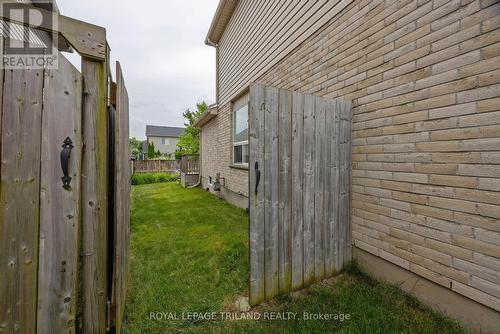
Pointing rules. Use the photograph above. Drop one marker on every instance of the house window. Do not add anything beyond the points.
(240, 136)
(165, 141)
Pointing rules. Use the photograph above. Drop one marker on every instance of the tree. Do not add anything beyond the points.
(151, 151)
(135, 147)
(189, 141)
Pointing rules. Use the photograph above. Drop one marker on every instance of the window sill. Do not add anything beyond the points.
(242, 167)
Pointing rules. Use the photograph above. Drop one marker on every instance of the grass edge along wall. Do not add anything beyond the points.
(424, 80)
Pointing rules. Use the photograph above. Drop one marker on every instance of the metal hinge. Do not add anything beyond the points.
(108, 315)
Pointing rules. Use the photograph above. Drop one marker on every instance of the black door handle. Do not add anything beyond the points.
(65, 155)
(257, 181)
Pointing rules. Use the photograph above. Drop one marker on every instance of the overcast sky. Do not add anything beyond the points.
(160, 45)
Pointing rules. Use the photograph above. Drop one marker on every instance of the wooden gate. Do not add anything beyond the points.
(300, 164)
(39, 214)
(64, 191)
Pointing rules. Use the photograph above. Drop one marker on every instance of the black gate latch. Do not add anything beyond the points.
(65, 155)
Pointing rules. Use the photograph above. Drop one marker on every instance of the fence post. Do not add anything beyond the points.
(94, 197)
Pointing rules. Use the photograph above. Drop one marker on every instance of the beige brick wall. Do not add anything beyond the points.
(424, 78)
(216, 152)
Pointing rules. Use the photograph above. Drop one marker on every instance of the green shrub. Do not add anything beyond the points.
(148, 178)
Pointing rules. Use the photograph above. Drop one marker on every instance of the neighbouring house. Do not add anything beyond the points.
(144, 150)
(164, 138)
(424, 80)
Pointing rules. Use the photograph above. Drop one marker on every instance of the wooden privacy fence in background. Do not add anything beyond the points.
(300, 172)
(190, 164)
(156, 166)
(64, 195)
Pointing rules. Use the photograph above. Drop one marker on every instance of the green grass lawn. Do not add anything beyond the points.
(190, 254)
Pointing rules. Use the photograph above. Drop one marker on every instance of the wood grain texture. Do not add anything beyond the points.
(336, 191)
(271, 185)
(309, 191)
(3, 226)
(19, 199)
(345, 189)
(285, 190)
(60, 209)
(305, 143)
(2, 75)
(122, 202)
(94, 197)
(329, 177)
(343, 184)
(319, 187)
(257, 228)
(297, 216)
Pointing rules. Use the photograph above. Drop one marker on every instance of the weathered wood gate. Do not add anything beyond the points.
(300, 166)
(64, 229)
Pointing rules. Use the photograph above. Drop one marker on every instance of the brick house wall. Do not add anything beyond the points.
(424, 79)
(216, 154)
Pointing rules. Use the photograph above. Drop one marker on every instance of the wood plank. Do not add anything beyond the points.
(271, 184)
(112, 94)
(3, 228)
(329, 183)
(285, 191)
(306, 146)
(343, 186)
(346, 117)
(349, 192)
(257, 228)
(19, 199)
(297, 186)
(2, 75)
(60, 210)
(87, 39)
(122, 201)
(309, 189)
(94, 197)
(319, 188)
(336, 192)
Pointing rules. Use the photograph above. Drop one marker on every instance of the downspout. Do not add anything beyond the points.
(199, 180)
(215, 45)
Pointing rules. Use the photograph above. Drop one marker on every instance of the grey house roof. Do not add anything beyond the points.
(163, 131)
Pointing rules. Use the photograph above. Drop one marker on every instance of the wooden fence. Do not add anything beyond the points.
(156, 166)
(190, 164)
(300, 165)
(64, 195)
